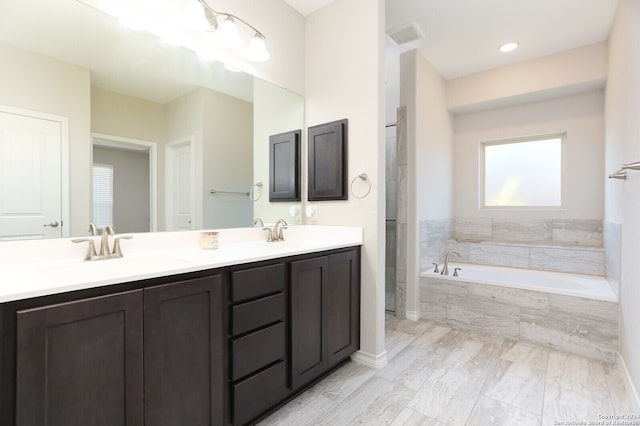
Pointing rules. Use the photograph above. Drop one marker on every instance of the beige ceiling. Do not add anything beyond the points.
(462, 36)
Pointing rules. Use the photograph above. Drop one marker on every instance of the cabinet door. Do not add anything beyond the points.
(80, 363)
(308, 334)
(183, 353)
(342, 310)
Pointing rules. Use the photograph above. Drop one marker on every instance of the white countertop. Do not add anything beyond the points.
(44, 267)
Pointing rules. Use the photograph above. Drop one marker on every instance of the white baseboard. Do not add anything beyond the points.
(372, 361)
(412, 315)
(628, 383)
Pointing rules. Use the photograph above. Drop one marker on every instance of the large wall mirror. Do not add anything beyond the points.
(178, 139)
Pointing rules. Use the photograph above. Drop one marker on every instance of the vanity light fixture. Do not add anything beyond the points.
(200, 16)
(508, 47)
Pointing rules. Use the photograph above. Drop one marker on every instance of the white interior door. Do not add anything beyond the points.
(179, 183)
(30, 176)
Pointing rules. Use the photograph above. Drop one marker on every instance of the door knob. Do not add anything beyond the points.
(53, 224)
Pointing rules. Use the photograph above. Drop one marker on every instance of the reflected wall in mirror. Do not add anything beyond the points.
(64, 58)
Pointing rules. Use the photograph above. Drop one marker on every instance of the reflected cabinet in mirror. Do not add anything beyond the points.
(102, 123)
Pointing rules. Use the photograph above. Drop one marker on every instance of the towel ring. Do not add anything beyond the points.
(252, 191)
(363, 177)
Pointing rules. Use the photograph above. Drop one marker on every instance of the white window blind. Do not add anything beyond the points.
(102, 195)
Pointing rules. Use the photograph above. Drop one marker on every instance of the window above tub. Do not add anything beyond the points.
(526, 172)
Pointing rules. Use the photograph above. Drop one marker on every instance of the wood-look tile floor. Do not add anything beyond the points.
(437, 375)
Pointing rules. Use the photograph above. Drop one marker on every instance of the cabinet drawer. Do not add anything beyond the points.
(258, 393)
(256, 282)
(247, 316)
(257, 350)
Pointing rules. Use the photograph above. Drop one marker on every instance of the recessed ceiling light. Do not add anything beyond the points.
(508, 47)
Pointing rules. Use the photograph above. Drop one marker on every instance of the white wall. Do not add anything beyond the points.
(116, 114)
(227, 159)
(430, 163)
(275, 111)
(345, 79)
(581, 116)
(623, 146)
(569, 72)
(40, 83)
(284, 29)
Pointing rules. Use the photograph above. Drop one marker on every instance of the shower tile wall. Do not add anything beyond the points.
(401, 213)
(612, 237)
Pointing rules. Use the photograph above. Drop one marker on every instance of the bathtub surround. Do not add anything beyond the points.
(558, 232)
(577, 325)
(580, 260)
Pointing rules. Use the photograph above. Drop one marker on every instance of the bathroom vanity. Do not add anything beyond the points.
(180, 336)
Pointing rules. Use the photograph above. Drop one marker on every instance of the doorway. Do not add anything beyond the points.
(124, 190)
(179, 182)
(34, 179)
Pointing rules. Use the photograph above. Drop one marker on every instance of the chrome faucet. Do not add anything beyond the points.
(257, 222)
(277, 230)
(445, 268)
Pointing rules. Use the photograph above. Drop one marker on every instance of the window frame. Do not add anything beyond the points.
(508, 141)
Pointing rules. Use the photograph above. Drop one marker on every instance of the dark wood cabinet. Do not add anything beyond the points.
(258, 343)
(325, 314)
(80, 363)
(184, 371)
(92, 362)
(222, 346)
(342, 310)
(308, 327)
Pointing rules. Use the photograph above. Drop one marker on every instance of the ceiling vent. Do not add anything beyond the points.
(406, 33)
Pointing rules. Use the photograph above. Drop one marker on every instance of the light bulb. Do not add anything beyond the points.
(229, 36)
(257, 50)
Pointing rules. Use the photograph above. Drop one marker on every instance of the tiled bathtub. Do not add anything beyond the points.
(568, 312)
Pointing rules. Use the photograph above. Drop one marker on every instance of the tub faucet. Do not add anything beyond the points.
(258, 222)
(445, 268)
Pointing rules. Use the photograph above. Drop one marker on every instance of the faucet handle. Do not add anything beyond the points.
(117, 252)
(455, 271)
(91, 253)
(435, 269)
